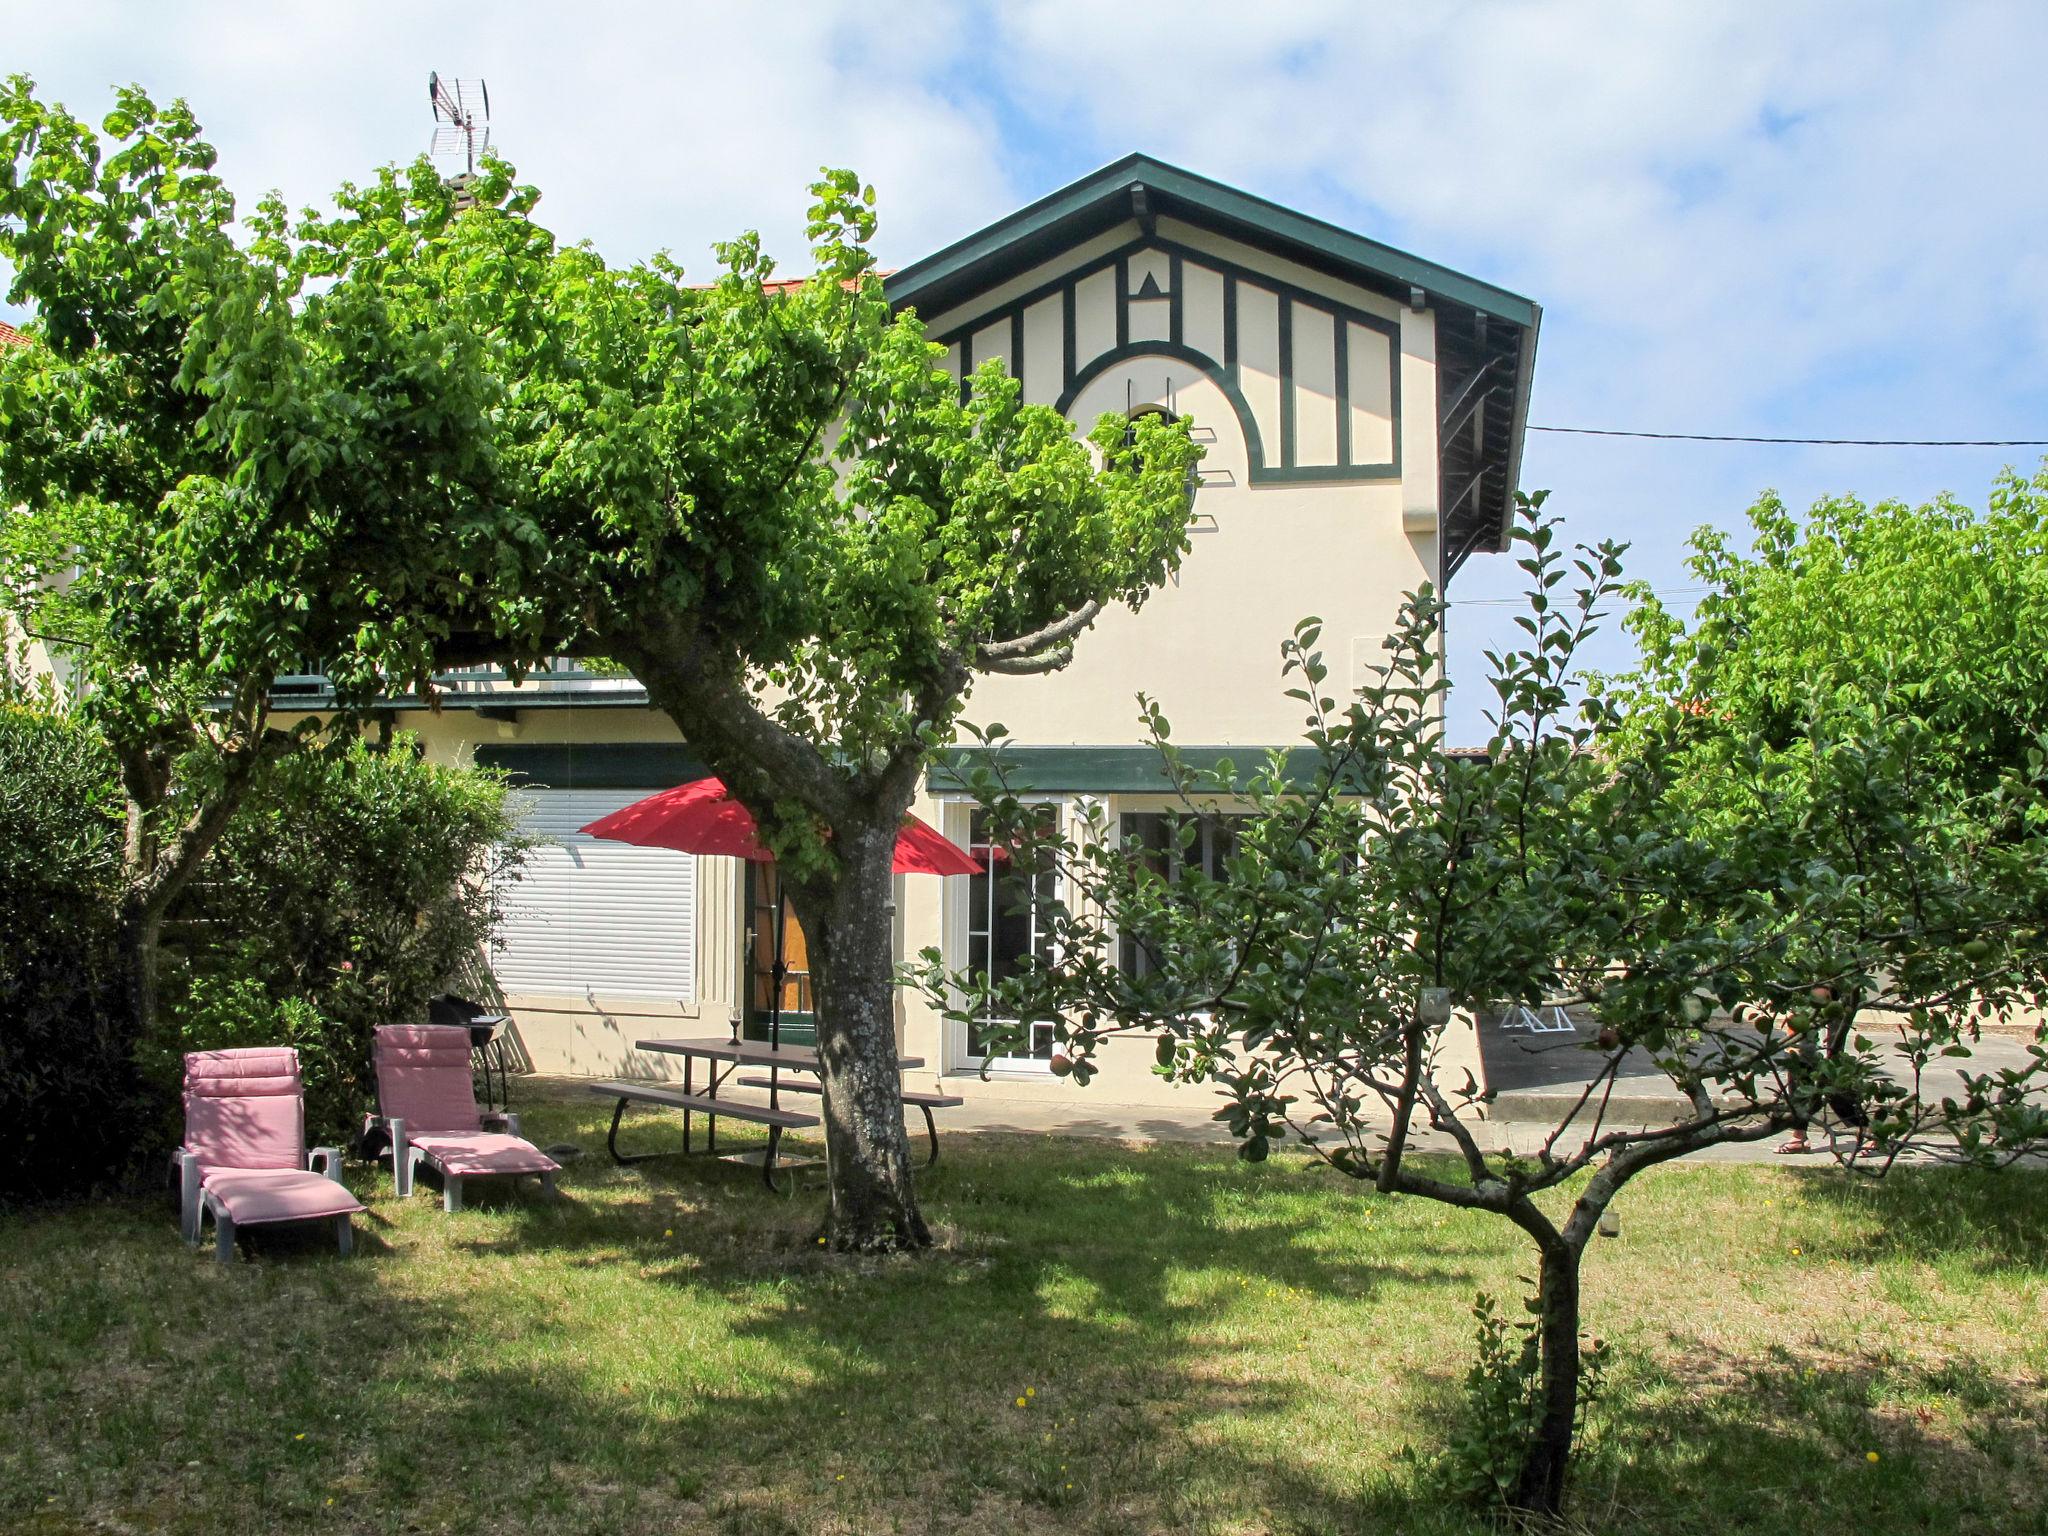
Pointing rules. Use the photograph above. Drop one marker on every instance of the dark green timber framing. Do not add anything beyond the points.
(1485, 335)
(1077, 374)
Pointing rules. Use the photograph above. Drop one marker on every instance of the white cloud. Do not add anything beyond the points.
(647, 125)
(1794, 218)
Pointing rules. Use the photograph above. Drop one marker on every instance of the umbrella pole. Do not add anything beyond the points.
(779, 970)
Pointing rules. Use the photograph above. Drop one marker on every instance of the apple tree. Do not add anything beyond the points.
(1375, 883)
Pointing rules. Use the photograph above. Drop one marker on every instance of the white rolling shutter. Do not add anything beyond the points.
(590, 916)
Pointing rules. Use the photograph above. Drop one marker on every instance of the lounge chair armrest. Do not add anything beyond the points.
(325, 1161)
(501, 1117)
(188, 1195)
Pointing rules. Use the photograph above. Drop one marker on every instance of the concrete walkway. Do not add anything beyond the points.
(1536, 1079)
(1141, 1124)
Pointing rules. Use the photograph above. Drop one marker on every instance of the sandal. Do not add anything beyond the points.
(1792, 1146)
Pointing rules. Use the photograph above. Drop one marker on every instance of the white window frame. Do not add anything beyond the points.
(959, 1044)
(1159, 805)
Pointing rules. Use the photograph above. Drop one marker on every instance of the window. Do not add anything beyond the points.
(1157, 833)
(590, 916)
(1007, 929)
(1138, 415)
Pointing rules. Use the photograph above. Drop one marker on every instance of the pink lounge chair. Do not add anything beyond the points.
(427, 1103)
(244, 1161)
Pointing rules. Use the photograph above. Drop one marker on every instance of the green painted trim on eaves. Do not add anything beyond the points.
(1266, 223)
(486, 703)
(594, 764)
(1117, 770)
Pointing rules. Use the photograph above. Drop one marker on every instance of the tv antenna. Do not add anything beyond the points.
(462, 118)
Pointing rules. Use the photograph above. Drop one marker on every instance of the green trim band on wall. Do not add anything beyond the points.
(1119, 770)
(595, 765)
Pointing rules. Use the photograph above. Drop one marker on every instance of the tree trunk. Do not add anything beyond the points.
(849, 924)
(142, 925)
(1539, 1487)
(845, 908)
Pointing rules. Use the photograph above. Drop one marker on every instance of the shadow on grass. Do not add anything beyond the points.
(667, 1349)
(1988, 1222)
(1093, 1283)
(1802, 1440)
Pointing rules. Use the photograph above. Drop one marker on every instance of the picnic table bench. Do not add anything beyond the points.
(723, 1057)
(706, 1104)
(924, 1101)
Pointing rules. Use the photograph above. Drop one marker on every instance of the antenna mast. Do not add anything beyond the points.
(462, 120)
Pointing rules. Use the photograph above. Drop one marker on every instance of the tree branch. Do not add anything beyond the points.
(173, 865)
(1032, 666)
(1445, 1118)
(757, 758)
(1024, 647)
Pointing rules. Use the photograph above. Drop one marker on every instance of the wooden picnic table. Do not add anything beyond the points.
(724, 1056)
(750, 1053)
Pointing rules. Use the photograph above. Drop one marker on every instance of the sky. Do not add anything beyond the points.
(1779, 219)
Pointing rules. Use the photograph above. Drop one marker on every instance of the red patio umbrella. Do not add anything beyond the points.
(700, 817)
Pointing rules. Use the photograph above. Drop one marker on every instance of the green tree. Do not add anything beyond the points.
(769, 502)
(1376, 883)
(1935, 608)
(1934, 613)
(350, 887)
(201, 453)
(68, 1091)
(416, 432)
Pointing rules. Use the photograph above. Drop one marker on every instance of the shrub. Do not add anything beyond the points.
(351, 887)
(1502, 1409)
(67, 1078)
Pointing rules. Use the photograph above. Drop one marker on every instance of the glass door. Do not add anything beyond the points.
(799, 1022)
(1008, 912)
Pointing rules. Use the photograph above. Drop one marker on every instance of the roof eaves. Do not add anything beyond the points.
(1267, 221)
(1518, 427)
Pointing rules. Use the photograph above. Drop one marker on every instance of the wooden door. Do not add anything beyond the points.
(799, 1022)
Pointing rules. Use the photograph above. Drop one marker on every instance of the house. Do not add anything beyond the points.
(1362, 411)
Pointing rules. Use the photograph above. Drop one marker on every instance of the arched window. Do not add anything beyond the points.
(1137, 414)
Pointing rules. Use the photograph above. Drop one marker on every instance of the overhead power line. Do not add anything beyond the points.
(1520, 602)
(1809, 442)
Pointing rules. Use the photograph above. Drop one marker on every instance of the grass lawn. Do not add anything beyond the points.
(1198, 1345)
